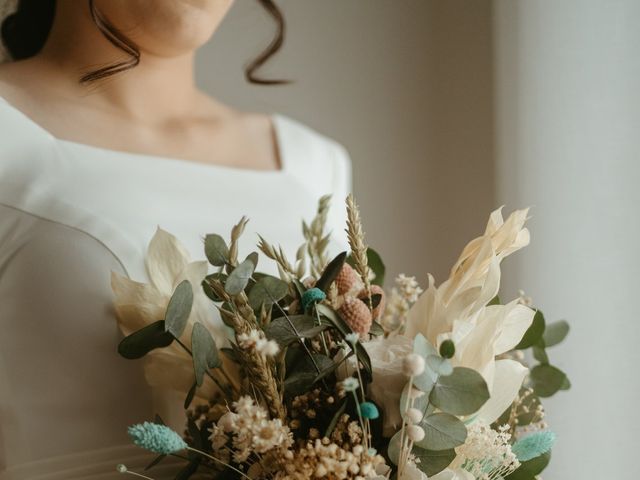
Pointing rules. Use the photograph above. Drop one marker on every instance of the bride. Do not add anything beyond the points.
(104, 140)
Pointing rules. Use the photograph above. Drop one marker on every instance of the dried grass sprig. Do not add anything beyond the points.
(259, 368)
(236, 233)
(355, 235)
(317, 239)
(277, 255)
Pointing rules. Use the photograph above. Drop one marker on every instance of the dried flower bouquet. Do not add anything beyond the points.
(327, 376)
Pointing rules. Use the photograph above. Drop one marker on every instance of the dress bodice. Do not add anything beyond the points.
(69, 215)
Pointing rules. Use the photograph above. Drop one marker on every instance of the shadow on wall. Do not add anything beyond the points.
(406, 87)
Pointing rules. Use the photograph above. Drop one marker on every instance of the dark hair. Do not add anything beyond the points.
(25, 32)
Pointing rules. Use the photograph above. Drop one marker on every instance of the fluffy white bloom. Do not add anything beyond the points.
(352, 338)
(413, 365)
(249, 340)
(486, 453)
(255, 340)
(458, 310)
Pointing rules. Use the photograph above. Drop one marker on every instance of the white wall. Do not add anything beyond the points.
(406, 86)
(568, 117)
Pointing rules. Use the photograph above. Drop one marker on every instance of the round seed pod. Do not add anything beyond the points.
(346, 279)
(356, 314)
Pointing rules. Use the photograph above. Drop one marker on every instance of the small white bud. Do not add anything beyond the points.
(414, 415)
(413, 365)
(121, 468)
(415, 433)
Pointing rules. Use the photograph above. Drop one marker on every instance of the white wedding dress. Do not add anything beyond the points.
(70, 214)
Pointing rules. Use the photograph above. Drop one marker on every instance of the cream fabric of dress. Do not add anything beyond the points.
(70, 214)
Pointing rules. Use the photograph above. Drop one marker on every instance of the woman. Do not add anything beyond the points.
(104, 138)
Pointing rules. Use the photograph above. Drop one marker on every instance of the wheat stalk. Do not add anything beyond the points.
(355, 235)
(317, 240)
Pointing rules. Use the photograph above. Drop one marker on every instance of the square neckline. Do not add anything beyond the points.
(276, 134)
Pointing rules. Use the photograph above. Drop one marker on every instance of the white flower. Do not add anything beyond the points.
(267, 348)
(249, 340)
(139, 304)
(387, 356)
(458, 310)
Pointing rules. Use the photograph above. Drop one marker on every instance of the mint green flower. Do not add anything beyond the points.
(533, 445)
(156, 438)
(369, 410)
(313, 295)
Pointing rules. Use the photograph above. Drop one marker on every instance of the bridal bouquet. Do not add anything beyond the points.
(318, 373)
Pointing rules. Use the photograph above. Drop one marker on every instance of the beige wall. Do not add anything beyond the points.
(406, 86)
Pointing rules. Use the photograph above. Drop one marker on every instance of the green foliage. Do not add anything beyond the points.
(546, 380)
(267, 291)
(207, 287)
(179, 309)
(141, 342)
(330, 272)
(216, 250)
(529, 469)
(287, 331)
(239, 277)
(433, 462)
(461, 393)
(204, 352)
(442, 431)
(534, 333)
(300, 379)
(555, 333)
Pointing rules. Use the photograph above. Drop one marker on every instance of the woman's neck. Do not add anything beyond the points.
(158, 87)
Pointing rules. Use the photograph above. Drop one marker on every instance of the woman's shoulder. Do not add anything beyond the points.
(311, 151)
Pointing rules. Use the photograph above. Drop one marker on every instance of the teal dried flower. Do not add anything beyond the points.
(156, 438)
(369, 410)
(313, 295)
(533, 445)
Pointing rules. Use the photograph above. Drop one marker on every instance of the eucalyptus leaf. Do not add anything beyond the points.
(440, 365)
(215, 249)
(393, 449)
(566, 385)
(546, 380)
(267, 291)
(253, 258)
(555, 333)
(461, 393)
(442, 432)
(427, 379)
(433, 462)
(421, 403)
(281, 329)
(142, 341)
(530, 469)
(239, 277)
(204, 351)
(179, 309)
(330, 272)
(302, 377)
(534, 333)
